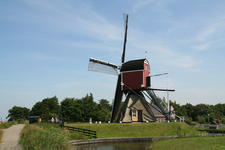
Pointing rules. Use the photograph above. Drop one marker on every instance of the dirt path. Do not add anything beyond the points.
(11, 137)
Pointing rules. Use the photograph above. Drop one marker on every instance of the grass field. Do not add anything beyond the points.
(137, 129)
(197, 143)
(52, 136)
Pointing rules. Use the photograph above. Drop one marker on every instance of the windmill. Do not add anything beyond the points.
(133, 81)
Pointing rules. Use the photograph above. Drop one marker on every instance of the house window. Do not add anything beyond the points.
(134, 113)
(161, 120)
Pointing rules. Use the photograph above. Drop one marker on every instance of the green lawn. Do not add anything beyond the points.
(136, 129)
(196, 143)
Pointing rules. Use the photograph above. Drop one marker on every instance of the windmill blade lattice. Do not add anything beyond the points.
(102, 66)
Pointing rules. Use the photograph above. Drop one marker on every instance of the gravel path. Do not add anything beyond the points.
(11, 137)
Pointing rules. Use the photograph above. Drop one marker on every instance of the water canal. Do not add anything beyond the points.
(126, 145)
(134, 145)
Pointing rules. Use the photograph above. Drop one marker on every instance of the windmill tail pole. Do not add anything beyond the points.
(159, 74)
(156, 101)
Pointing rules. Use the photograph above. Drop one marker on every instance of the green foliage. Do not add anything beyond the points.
(194, 112)
(81, 110)
(223, 120)
(211, 117)
(18, 113)
(46, 136)
(201, 119)
(190, 111)
(218, 110)
(188, 120)
(6, 125)
(46, 109)
(179, 131)
(179, 110)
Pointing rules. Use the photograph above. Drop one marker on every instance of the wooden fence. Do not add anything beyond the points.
(85, 132)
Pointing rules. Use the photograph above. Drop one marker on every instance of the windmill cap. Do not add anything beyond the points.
(134, 65)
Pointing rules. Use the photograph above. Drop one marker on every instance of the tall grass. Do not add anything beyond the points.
(46, 136)
(6, 125)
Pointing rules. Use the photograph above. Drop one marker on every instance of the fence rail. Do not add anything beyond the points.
(83, 131)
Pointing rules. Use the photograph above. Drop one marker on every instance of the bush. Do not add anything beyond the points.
(201, 119)
(6, 125)
(223, 120)
(188, 120)
(179, 131)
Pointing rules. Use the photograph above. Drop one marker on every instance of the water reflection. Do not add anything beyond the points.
(116, 146)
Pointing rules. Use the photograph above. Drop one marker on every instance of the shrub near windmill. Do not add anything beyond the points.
(133, 82)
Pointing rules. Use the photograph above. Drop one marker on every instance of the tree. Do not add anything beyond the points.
(201, 119)
(223, 120)
(188, 120)
(190, 110)
(18, 113)
(180, 110)
(67, 109)
(47, 108)
(219, 110)
(80, 110)
(104, 104)
(104, 110)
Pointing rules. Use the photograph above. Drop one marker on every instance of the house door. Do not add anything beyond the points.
(134, 115)
(140, 118)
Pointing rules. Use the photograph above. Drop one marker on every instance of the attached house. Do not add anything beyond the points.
(136, 109)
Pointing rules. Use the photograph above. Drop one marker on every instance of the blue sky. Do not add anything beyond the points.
(45, 46)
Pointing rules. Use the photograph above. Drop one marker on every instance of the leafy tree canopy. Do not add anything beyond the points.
(47, 108)
(18, 113)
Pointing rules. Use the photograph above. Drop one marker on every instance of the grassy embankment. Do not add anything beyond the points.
(137, 129)
(4, 126)
(200, 143)
(51, 136)
(46, 136)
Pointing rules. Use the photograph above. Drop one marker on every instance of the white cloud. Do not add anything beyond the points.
(202, 47)
(141, 3)
(79, 18)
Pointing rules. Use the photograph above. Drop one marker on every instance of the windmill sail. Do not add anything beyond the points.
(125, 36)
(119, 92)
(117, 100)
(102, 66)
